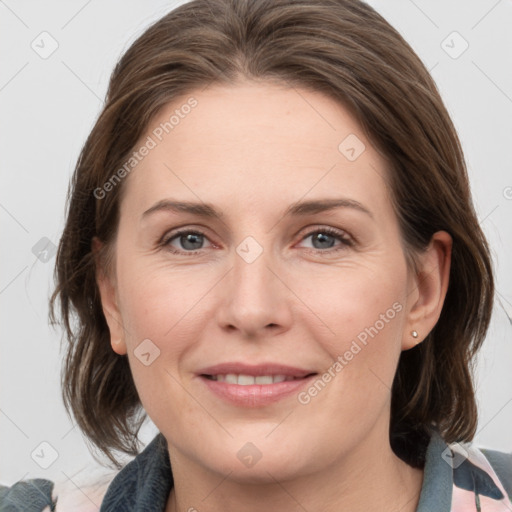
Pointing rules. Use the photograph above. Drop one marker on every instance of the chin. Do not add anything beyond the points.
(260, 460)
(263, 472)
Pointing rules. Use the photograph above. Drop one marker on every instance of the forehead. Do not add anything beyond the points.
(263, 141)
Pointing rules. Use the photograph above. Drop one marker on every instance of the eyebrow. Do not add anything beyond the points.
(297, 209)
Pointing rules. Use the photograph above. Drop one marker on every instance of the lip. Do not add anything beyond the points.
(255, 370)
(255, 395)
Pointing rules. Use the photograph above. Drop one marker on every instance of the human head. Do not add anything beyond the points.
(345, 51)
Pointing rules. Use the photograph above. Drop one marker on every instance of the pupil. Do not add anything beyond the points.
(191, 238)
(322, 237)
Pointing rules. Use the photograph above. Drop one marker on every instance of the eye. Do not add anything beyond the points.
(324, 239)
(191, 242)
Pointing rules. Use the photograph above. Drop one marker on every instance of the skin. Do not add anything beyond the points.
(252, 150)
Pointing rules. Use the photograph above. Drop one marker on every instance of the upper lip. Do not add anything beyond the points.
(255, 370)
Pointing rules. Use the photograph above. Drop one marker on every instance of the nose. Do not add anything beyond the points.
(255, 298)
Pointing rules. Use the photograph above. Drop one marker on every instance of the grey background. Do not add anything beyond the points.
(48, 106)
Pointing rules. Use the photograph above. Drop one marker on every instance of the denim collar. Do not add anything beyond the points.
(144, 483)
(436, 491)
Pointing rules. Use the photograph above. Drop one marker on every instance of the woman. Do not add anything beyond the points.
(271, 250)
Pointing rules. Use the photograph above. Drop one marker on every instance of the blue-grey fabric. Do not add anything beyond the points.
(27, 496)
(502, 464)
(436, 492)
(144, 483)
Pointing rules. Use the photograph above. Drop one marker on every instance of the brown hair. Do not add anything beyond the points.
(342, 48)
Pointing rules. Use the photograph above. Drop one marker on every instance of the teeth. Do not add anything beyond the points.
(247, 380)
(267, 379)
(230, 378)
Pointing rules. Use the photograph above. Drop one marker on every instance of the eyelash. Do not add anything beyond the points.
(338, 234)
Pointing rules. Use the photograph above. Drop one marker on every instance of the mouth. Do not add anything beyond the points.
(249, 385)
(260, 387)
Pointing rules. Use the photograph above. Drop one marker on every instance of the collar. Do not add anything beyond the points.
(436, 491)
(144, 483)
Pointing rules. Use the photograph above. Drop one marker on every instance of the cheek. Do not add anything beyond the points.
(162, 327)
(365, 310)
(357, 303)
(158, 301)
(366, 314)
(163, 314)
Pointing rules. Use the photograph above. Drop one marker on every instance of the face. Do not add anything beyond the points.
(323, 290)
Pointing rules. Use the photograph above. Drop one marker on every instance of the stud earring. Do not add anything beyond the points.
(414, 334)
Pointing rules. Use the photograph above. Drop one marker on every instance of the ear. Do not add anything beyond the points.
(109, 301)
(427, 289)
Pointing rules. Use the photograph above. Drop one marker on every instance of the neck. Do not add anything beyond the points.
(370, 477)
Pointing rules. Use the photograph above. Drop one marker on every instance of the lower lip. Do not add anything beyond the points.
(255, 395)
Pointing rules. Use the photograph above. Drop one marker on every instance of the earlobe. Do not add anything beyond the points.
(429, 289)
(118, 346)
(109, 301)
